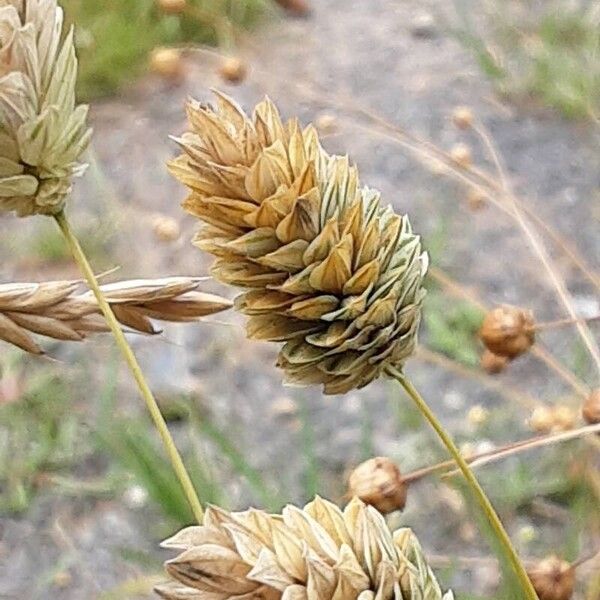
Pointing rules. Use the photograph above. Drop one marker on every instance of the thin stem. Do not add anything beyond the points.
(476, 488)
(130, 359)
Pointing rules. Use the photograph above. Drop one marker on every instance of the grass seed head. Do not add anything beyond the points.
(42, 132)
(165, 229)
(378, 482)
(327, 270)
(233, 69)
(319, 551)
(553, 579)
(591, 408)
(461, 154)
(462, 117)
(508, 331)
(476, 200)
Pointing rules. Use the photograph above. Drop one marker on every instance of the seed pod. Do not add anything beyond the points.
(553, 579)
(166, 229)
(297, 8)
(478, 415)
(461, 155)
(542, 419)
(233, 69)
(462, 117)
(564, 418)
(167, 63)
(591, 408)
(378, 482)
(492, 363)
(475, 199)
(172, 7)
(508, 331)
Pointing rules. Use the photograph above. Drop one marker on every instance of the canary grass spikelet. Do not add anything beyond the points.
(319, 552)
(42, 131)
(328, 271)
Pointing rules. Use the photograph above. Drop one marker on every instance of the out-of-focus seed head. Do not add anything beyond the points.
(478, 415)
(462, 117)
(233, 69)
(378, 482)
(565, 418)
(476, 200)
(542, 419)
(326, 123)
(508, 331)
(553, 579)
(492, 363)
(165, 228)
(461, 154)
(172, 7)
(297, 8)
(43, 133)
(168, 64)
(591, 408)
(327, 270)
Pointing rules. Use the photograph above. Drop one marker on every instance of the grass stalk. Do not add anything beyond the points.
(132, 363)
(476, 489)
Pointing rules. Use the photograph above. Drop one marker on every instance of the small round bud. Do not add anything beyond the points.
(492, 363)
(591, 408)
(553, 579)
(475, 199)
(166, 229)
(172, 7)
(378, 482)
(461, 155)
(167, 63)
(233, 69)
(477, 415)
(564, 418)
(462, 117)
(508, 331)
(542, 419)
(298, 8)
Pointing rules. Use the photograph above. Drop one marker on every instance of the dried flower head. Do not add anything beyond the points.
(319, 553)
(233, 69)
(550, 419)
(42, 132)
(553, 579)
(461, 154)
(508, 331)
(591, 408)
(165, 228)
(54, 309)
(167, 63)
(462, 117)
(328, 270)
(378, 482)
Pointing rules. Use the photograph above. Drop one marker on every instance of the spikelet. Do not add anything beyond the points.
(54, 309)
(42, 132)
(329, 272)
(317, 553)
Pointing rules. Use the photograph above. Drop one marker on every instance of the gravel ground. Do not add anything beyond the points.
(391, 59)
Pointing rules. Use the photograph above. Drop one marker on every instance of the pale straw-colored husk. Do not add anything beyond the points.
(316, 553)
(42, 131)
(328, 270)
(57, 310)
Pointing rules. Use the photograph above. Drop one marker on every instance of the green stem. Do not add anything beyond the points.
(130, 359)
(475, 486)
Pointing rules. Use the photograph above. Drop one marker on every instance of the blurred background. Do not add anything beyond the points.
(85, 492)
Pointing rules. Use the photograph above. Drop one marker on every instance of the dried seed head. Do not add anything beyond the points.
(508, 331)
(328, 270)
(42, 132)
(298, 8)
(461, 155)
(551, 419)
(326, 123)
(492, 363)
(378, 482)
(172, 7)
(168, 63)
(553, 579)
(476, 200)
(317, 552)
(462, 117)
(591, 408)
(233, 69)
(166, 229)
(477, 415)
(54, 309)
(565, 418)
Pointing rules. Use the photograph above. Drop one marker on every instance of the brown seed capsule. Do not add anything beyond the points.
(378, 482)
(591, 408)
(492, 363)
(462, 117)
(298, 8)
(233, 69)
(475, 199)
(165, 229)
(172, 7)
(553, 579)
(167, 63)
(461, 155)
(508, 331)
(542, 419)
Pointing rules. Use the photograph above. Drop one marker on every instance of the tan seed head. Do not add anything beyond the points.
(462, 117)
(233, 69)
(542, 419)
(508, 331)
(167, 63)
(461, 155)
(476, 199)
(591, 408)
(165, 229)
(172, 7)
(565, 418)
(298, 8)
(492, 363)
(553, 579)
(378, 482)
